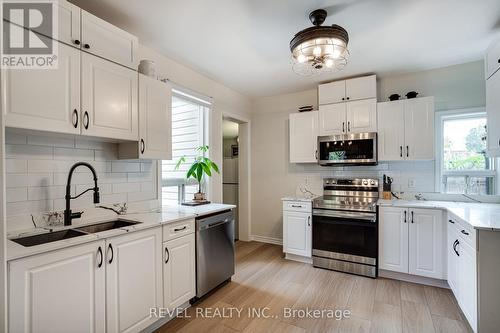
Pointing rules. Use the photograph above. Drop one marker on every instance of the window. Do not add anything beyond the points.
(189, 120)
(464, 166)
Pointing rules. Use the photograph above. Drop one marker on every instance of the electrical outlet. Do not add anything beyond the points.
(411, 183)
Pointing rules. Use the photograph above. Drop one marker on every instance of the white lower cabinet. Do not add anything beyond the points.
(59, 291)
(179, 271)
(411, 241)
(297, 228)
(134, 282)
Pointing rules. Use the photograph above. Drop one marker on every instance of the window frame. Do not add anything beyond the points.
(441, 117)
(181, 183)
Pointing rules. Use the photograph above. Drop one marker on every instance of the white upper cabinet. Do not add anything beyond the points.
(68, 23)
(303, 137)
(426, 243)
(393, 239)
(332, 119)
(406, 129)
(105, 40)
(59, 291)
(361, 88)
(46, 100)
(134, 282)
(391, 131)
(109, 99)
(348, 90)
(493, 114)
(361, 116)
(419, 128)
(492, 59)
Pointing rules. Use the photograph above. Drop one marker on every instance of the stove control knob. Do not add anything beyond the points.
(372, 182)
(365, 182)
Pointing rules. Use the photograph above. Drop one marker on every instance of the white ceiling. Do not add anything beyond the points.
(244, 44)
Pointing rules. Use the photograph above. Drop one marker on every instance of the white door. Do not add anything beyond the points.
(45, 100)
(426, 242)
(393, 239)
(179, 271)
(419, 129)
(362, 116)
(333, 92)
(60, 291)
(361, 88)
(332, 119)
(155, 119)
(297, 233)
(303, 137)
(493, 114)
(109, 99)
(105, 40)
(452, 256)
(391, 130)
(134, 281)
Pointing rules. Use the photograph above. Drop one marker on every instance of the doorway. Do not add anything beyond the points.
(230, 168)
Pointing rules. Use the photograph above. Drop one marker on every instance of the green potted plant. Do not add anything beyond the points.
(200, 167)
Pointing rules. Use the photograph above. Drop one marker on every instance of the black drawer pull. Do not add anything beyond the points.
(86, 120)
(167, 256)
(75, 117)
(296, 206)
(101, 259)
(76, 41)
(180, 229)
(451, 221)
(143, 146)
(110, 248)
(465, 232)
(455, 247)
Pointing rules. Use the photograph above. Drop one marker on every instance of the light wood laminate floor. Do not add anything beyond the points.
(265, 280)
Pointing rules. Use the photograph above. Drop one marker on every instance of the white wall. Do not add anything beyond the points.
(273, 177)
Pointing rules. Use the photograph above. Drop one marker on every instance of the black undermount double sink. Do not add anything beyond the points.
(54, 236)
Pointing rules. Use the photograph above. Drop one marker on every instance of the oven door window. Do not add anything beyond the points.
(347, 150)
(348, 236)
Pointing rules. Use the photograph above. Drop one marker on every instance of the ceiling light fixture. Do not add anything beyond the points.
(319, 49)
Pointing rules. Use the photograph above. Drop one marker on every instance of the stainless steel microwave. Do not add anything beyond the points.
(348, 149)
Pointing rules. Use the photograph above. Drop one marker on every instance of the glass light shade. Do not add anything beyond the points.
(319, 55)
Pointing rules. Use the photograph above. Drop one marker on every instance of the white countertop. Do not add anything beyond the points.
(165, 215)
(301, 198)
(483, 216)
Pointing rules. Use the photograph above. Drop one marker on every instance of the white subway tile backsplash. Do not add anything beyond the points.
(126, 187)
(15, 138)
(125, 167)
(53, 141)
(87, 143)
(47, 192)
(76, 179)
(29, 152)
(16, 166)
(16, 194)
(107, 155)
(24, 180)
(114, 198)
(29, 207)
(73, 154)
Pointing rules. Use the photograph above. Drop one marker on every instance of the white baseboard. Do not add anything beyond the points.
(295, 257)
(413, 278)
(265, 239)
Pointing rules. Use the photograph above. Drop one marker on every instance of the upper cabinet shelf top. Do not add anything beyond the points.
(363, 87)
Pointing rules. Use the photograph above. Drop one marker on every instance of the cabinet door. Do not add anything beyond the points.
(179, 271)
(59, 291)
(332, 119)
(391, 130)
(155, 119)
(297, 233)
(493, 114)
(69, 23)
(303, 137)
(468, 283)
(419, 129)
(453, 274)
(133, 280)
(393, 239)
(426, 242)
(361, 88)
(105, 40)
(333, 92)
(109, 99)
(492, 60)
(45, 100)
(361, 116)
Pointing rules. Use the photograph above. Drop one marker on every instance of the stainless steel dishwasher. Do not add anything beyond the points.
(214, 251)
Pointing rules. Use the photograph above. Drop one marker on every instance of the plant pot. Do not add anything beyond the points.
(199, 196)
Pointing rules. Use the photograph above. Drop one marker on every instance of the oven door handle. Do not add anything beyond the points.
(349, 215)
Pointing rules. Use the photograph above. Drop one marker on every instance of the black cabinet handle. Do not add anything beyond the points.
(400, 151)
(87, 46)
(343, 98)
(110, 248)
(143, 146)
(465, 232)
(296, 206)
(412, 217)
(309, 221)
(451, 221)
(499, 60)
(455, 247)
(343, 127)
(347, 98)
(407, 151)
(86, 120)
(101, 259)
(348, 126)
(499, 142)
(167, 255)
(75, 118)
(180, 229)
(405, 216)
(76, 41)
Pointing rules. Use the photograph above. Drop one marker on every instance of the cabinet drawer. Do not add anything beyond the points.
(463, 230)
(177, 229)
(297, 206)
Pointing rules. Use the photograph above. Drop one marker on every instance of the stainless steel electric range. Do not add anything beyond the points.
(345, 226)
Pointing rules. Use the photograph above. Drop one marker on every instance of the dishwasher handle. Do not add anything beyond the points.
(215, 224)
(214, 220)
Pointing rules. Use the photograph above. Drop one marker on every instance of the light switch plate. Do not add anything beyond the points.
(411, 183)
